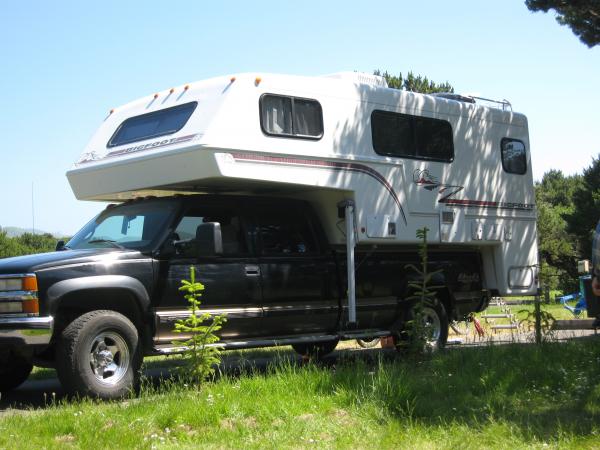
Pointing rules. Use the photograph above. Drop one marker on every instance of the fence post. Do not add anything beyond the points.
(538, 318)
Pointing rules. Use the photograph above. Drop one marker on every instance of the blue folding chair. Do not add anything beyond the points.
(580, 304)
(579, 297)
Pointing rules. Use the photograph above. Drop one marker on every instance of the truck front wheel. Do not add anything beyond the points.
(315, 349)
(99, 355)
(13, 372)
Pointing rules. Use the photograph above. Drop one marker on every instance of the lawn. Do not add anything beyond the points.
(523, 316)
(510, 396)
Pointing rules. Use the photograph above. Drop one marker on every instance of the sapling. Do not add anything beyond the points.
(418, 334)
(200, 355)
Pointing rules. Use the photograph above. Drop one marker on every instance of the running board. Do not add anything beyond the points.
(170, 349)
(364, 334)
(251, 343)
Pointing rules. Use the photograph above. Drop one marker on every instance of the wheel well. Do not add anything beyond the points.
(444, 296)
(74, 304)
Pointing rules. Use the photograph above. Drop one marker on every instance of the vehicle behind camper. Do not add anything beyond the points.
(297, 199)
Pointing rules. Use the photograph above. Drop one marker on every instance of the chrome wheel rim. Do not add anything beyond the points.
(109, 358)
(433, 326)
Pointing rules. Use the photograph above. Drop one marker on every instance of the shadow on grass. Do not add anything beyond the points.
(542, 392)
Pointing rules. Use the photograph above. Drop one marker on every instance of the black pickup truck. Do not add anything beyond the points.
(96, 306)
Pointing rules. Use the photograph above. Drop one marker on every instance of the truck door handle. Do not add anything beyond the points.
(252, 271)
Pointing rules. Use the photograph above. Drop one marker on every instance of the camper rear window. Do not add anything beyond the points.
(407, 136)
(152, 125)
(291, 117)
(514, 159)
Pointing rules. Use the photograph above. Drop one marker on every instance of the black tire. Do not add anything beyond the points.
(435, 317)
(13, 372)
(368, 343)
(99, 355)
(315, 349)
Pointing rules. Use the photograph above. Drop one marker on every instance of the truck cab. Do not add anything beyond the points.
(111, 295)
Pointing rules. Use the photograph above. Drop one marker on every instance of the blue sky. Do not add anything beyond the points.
(65, 64)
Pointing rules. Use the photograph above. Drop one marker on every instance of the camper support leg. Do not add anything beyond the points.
(348, 206)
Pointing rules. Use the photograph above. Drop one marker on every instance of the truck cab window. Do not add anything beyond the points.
(231, 229)
(285, 233)
(133, 226)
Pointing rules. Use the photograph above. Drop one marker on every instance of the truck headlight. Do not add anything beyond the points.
(18, 283)
(19, 295)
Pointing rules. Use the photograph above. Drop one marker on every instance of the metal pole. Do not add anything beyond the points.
(348, 206)
(32, 211)
(538, 318)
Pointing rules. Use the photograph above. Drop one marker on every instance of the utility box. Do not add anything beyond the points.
(592, 302)
(583, 267)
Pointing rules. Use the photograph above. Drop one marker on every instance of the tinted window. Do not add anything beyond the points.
(514, 158)
(392, 134)
(231, 229)
(285, 234)
(291, 116)
(151, 125)
(404, 135)
(134, 226)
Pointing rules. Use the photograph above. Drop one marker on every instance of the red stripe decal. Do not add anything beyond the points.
(349, 167)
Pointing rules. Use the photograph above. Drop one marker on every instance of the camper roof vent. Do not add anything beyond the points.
(359, 78)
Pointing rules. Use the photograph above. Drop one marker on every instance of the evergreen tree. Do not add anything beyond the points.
(414, 83)
(582, 16)
(586, 198)
(557, 247)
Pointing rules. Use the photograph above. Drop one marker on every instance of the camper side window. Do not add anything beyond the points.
(291, 117)
(407, 136)
(514, 159)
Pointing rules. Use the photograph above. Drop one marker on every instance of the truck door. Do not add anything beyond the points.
(297, 277)
(231, 280)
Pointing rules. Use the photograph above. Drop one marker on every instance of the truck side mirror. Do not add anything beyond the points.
(60, 245)
(209, 239)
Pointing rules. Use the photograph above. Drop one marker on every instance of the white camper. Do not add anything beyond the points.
(396, 161)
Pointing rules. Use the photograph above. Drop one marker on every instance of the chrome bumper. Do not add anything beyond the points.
(20, 331)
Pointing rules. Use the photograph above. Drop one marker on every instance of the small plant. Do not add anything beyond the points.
(418, 333)
(542, 321)
(199, 355)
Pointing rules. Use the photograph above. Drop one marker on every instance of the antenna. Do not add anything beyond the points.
(32, 211)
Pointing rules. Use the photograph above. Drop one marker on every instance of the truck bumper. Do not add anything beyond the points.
(22, 331)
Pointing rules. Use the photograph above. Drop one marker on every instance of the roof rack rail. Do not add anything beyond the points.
(503, 104)
(453, 96)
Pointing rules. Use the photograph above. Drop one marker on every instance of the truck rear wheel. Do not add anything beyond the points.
(99, 355)
(315, 349)
(13, 372)
(435, 321)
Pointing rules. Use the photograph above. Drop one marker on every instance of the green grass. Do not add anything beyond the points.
(511, 396)
(558, 311)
